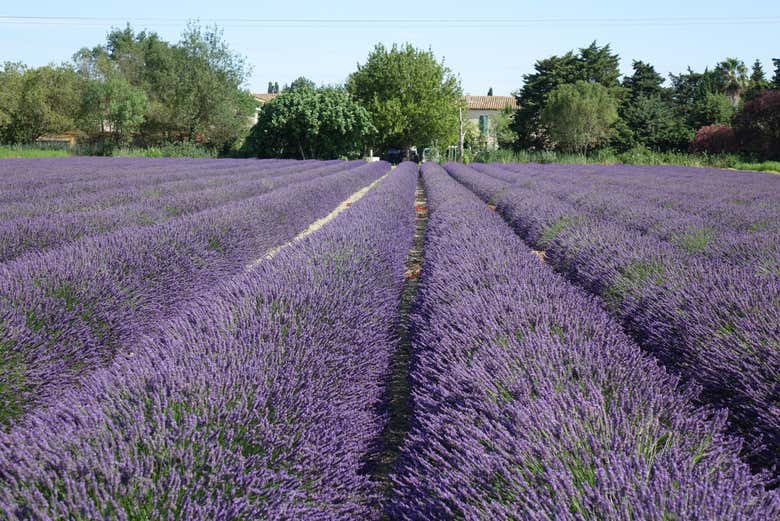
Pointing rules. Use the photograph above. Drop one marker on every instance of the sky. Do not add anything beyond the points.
(490, 44)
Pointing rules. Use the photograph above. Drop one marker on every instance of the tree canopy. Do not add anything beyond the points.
(306, 122)
(413, 99)
(592, 64)
(37, 101)
(577, 117)
(136, 87)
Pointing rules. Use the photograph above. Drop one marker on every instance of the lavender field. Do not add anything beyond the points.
(484, 341)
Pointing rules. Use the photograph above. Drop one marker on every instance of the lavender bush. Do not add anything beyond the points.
(530, 403)
(71, 309)
(25, 234)
(704, 297)
(258, 401)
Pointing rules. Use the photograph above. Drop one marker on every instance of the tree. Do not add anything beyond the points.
(215, 107)
(194, 88)
(732, 79)
(654, 123)
(757, 75)
(713, 108)
(413, 99)
(757, 125)
(505, 136)
(591, 64)
(270, 88)
(300, 83)
(113, 106)
(578, 116)
(758, 81)
(645, 81)
(776, 77)
(700, 99)
(490, 91)
(309, 123)
(36, 101)
(11, 86)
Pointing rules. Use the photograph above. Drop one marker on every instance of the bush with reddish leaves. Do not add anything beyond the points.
(714, 139)
(757, 125)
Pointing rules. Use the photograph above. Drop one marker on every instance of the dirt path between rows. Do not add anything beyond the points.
(397, 400)
(319, 223)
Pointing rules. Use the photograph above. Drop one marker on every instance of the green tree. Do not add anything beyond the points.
(113, 106)
(578, 116)
(11, 83)
(700, 98)
(505, 136)
(36, 101)
(776, 77)
(300, 83)
(714, 108)
(194, 88)
(645, 81)
(591, 64)
(413, 99)
(655, 124)
(758, 81)
(732, 79)
(309, 123)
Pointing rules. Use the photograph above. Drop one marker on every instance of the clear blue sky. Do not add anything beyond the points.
(482, 53)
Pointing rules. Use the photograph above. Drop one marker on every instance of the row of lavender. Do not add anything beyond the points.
(715, 214)
(259, 401)
(71, 309)
(710, 316)
(58, 225)
(50, 178)
(530, 403)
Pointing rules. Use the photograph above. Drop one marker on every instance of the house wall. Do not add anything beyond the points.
(473, 116)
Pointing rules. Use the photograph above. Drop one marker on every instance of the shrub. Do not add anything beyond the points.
(757, 125)
(714, 139)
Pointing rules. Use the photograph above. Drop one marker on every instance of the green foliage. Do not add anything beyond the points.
(31, 151)
(713, 108)
(654, 124)
(694, 241)
(34, 102)
(184, 149)
(635, 156)
(592, 64)
(578, 116)
(732, 79)
(505, 134)
(758, 81)
(193, 88)
(306, 123)
(776, 77)
(644, 82)
(412, 98)
(112, 106)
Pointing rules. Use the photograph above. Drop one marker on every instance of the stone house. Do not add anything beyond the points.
(482, 111)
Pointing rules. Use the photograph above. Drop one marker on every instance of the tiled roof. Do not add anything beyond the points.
(265, 97)
(473, 102)
(490, 102)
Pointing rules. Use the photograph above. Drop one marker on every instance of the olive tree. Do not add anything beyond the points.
(578, 116)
